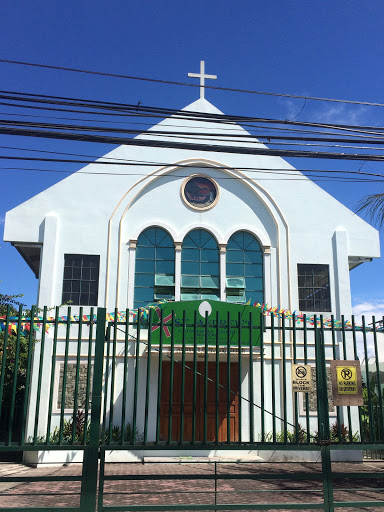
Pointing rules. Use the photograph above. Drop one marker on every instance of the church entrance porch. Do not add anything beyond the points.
(204, 407)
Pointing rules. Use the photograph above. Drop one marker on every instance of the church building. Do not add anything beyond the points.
(208, 224)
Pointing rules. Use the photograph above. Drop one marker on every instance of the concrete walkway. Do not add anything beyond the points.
(152, 485)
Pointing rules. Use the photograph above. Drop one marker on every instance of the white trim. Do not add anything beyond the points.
(154, 224)
(261, 237)
(131, 276)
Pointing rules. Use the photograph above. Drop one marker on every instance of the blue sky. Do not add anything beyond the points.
(315, 48)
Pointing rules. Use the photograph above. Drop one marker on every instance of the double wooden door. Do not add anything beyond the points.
(227, 400)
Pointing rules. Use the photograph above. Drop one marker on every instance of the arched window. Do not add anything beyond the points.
(244, 269)
(200, 269)
(155, 267)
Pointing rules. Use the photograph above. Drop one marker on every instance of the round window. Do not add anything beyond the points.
(200, 192)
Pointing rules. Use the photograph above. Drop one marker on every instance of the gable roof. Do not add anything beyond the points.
(304, 200)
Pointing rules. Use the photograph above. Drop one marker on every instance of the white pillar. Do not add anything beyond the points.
(178, 269)
(267, 274)
(223, 271)
(131, 272)
(49, 294)
(342, 286)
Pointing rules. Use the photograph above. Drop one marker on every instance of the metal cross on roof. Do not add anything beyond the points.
(202, 77)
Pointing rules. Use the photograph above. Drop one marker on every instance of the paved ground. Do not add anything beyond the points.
(189, 482)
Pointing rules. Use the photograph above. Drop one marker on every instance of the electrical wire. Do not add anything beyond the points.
(185, 84)
(285, 178)
(187, 146)
(145, 163)
(177, 114)
(249, 126)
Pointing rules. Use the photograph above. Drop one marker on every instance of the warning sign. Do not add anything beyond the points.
(301, 378)
(346, 383)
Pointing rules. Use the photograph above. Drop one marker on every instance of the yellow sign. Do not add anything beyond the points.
(301, 378)
(346, 380)
(347, 386)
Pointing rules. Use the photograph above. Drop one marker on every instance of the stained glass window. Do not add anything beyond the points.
(200, 268)
(155, 267)
(244, 269)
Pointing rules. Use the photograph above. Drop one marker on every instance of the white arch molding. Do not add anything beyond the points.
(256, 188)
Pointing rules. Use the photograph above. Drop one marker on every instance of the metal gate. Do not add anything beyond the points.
(178, 408)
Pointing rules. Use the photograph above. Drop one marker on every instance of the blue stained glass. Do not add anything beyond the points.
(253, 283)
(209, 255)
(165, 253)
(253, 270)
(210, 243)
(210, 282)
(245, 259)
(147, 237)
(209, 269)
(145, 266)
(199, 257)
(191, 254)
(190, 281)
(235, 269)
(155, 254)
(235, 256)
(253, 257)
(145, 253)
(164, 240)
(236, 241)
(144, 294)
(209, 296)
(146, 280)
(190, 268)
(165, 267)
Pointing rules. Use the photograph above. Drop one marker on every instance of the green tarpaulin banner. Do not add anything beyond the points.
(228, 322)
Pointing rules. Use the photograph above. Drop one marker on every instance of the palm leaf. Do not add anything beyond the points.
(373, 205)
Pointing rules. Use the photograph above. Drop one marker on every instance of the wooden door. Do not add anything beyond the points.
(226, 400)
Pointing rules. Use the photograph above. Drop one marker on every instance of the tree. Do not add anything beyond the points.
(10, 300)
(373, 204)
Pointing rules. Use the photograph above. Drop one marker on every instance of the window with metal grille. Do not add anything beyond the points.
(314, 292)
(81, 279)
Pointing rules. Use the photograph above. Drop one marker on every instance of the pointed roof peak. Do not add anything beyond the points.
(202, 105)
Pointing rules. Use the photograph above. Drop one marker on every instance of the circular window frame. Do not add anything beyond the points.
(192, 206)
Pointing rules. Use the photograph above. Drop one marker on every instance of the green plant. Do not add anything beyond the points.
(297, 435)
(345, 436)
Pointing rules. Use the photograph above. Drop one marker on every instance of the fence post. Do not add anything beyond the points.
(323, 416)
(91, 451)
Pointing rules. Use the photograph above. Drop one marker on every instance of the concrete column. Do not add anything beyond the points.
(50, 285)
(178, 270)
(131, 271)
(223, 271)
(341, 284)
(267, 273)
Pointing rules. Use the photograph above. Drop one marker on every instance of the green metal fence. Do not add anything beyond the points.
(183, 384)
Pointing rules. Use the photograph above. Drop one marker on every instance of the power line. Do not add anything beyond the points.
(192, 136)
(104, 139)
(219, 178)
(130, 115)
(185, 84)
(177, 114)
(147, 163)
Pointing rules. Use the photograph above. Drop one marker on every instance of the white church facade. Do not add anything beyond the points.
(197, 225)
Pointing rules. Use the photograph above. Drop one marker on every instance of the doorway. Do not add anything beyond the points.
(227, 401)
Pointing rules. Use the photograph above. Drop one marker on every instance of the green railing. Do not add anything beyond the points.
(183, 381)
